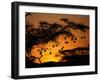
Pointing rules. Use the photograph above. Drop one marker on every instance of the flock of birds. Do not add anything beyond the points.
(42, 50)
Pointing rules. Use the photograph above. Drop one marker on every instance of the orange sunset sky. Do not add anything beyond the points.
(51, 18)
(35, 18)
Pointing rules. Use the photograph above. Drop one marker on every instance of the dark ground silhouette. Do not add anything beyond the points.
(74, 59)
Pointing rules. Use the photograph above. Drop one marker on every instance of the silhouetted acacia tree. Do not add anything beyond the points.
(50, 31)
